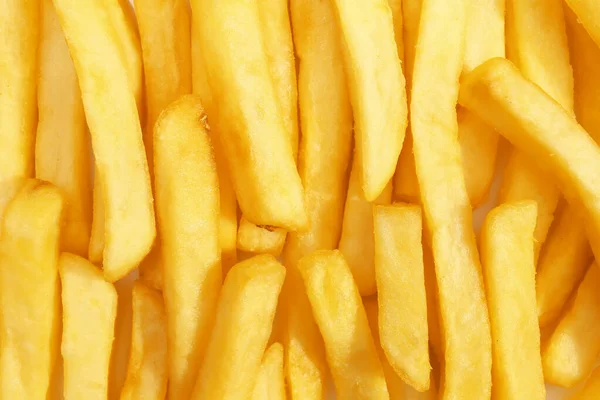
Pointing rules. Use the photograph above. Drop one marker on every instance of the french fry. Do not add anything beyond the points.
(433, 304)
(591, 390)
(463, 313)
(356, 240)
(400, 276)
(588, 13)
(251, 128)
(29, 291)
(121, 346)
(89, 312)
(540, 127)
(396, 7)
(270, 383)
(147, 367)
(341, 317)
(116, 134)
(62, 143)
(8, 190)
(509, 272)
(377, 89)
(571, 351)
(19, 29)
(256, 239)
(244, 318)
(187, 205)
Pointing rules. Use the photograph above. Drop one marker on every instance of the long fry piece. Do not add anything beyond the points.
(588, 13)
(270, 384)
(342, 320)
(116, 134)
(464, 318)
(187, 204)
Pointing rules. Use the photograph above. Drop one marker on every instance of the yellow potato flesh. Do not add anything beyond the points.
(463, 313)
(562, 264)
(341, 317)
(401, 292)
(29, 291)
(19, 29)
(244, 318)
(260, 239)
(252, 131)
(571, 352)
(377, 89)
(187, 206)
(62, 141)
(591, 390)
(588, 13)
(147, 367)
(116, 134)
(509, 272)
(540, 127)
(89, 311)
(270, 383)
(356, 240)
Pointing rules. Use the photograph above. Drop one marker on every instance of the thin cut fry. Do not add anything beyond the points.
(187, 204)
(29, 291)
(571, 352)
(463, 312)
(588, 13)
(116, 134)
(270, 383)
(342, 320)
(591, 390)
(509, 272)
(89, 311)
(244, 318)
(377, 89)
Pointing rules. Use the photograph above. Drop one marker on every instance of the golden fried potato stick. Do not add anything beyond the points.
(463, 313)
(116, 134)
(588, 13)
(356, 240)
(341, 317)
(62, 143)
(591, 389)
(509, 272)
(89, 311)
(541, 128)
(187, 206)
(244, 317)
(256, 239)
(433, 303)
(19, 29)
(400, 276)
(571, 352)
(562, 264)
(270, 383)
(250, 124)
(8, 190)
(147, 367)
(377, 89)
(29, 290)
(121, 346)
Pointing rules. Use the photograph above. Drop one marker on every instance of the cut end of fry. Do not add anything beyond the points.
(260, 239)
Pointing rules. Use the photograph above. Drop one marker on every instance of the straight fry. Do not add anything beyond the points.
(588, 13)
(121, 347)
(270, 384)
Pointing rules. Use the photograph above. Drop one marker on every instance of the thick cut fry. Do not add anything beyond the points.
(401, 292)
(591, 390)
(62, 143)
(147, 368)
(116, 134)
(570, 353)
(19, 30)
(509, 272)
(121, 347)
(260, 239)
(356, 240)
(540, 127)
(562, 264)
(244, 318)
(377, 89)
(187, 205)
(257, 148)
(463, 312)
(342, 320)
(29, 291)
(588, 13)
(270, 383)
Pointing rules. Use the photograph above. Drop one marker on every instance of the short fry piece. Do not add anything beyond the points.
(342, 320)
(591, 390)
(187, 206)
(570, 353)
(244, 318)
(588, 13)
(260, 239)
(377, 89)
(509, 272)
(400, 276)
(270, 384)
(29, 291)
(89, 312)
(147, 368)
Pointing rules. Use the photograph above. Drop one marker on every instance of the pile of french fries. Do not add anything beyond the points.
(281, 194)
